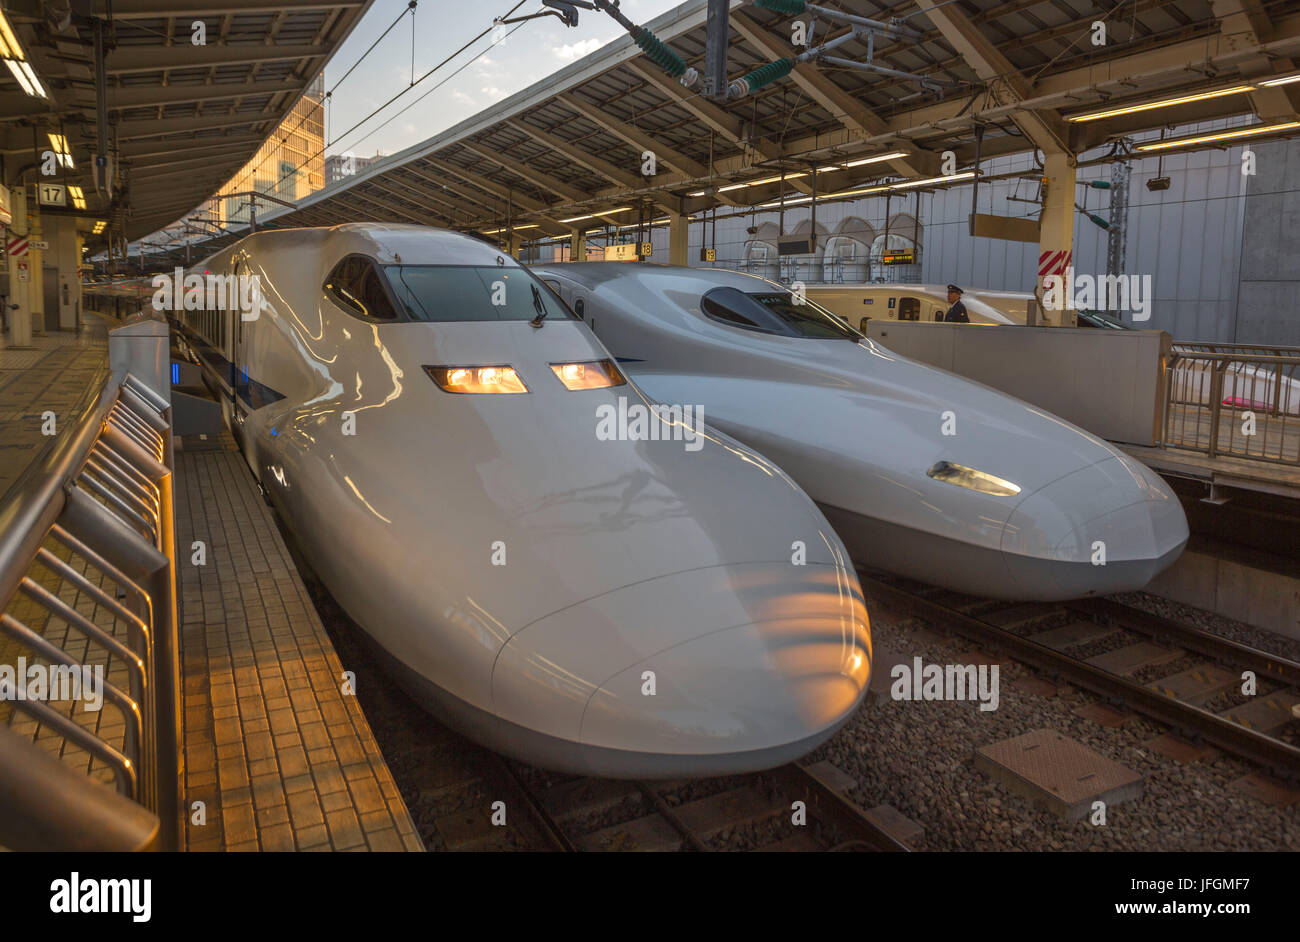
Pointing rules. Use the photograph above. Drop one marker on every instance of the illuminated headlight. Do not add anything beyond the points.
(595, 374)
(477, 379)
(980, 481)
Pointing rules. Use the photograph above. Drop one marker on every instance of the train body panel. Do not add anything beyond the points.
(515, 567)
(866, 433)
(855, 303)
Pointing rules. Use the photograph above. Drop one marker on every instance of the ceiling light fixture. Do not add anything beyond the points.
(1162, 103)
(1220, 136)
(603, 212)
(12, 53)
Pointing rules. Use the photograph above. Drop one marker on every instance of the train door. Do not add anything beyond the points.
(240, 401)
(909, 309)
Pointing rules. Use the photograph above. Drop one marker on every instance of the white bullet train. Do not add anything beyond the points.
(921, 472)
(426, 417)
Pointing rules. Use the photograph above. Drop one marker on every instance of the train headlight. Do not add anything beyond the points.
(477, 379)
(981, 481)
(592, 374)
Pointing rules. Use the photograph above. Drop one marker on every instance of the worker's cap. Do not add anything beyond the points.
(955, 288)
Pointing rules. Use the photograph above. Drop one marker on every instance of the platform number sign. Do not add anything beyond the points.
(647, 249)
(708, 255)
(52, 194)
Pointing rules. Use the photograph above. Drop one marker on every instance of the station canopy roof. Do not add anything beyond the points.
(185, 117)
(568, 152)
(572, 144)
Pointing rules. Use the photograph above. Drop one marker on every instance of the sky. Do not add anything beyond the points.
(533, 51)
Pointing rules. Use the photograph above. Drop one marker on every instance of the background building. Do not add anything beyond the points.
(341, 166)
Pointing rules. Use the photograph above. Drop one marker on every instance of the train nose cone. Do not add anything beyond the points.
(1109, 527)
(711, 671)
(745, 698)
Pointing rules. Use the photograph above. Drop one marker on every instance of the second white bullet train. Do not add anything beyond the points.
(921, 472)
(427, 418)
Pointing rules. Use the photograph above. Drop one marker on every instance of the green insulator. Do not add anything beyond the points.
(792, 7)
(767, 74)
(658, 53)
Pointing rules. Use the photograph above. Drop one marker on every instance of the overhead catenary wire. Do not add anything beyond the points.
(376, 111)
(410, 8)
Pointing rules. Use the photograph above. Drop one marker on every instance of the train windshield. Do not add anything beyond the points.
(775, 313)
(472, 293)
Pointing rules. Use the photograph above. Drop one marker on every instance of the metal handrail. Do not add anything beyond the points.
(1257, 384)
(104, 491)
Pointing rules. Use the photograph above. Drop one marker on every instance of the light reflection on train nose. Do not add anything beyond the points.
(790, 644)
(746, 688)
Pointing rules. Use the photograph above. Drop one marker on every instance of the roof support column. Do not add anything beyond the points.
(678, 239)
(577, 245)
(20, 314)
(1056, 240)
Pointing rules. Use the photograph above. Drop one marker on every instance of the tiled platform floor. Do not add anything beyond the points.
(281, 757)
(53, 375)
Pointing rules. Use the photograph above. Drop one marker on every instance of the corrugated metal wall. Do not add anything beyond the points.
(1188, 238)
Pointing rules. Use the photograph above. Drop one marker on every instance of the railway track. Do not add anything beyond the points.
(1175, 673)
(750, 812)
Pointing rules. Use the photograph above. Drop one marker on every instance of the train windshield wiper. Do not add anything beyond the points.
(539, 307)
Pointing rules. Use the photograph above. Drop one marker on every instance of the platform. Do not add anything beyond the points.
(280, 756)
(55, 374)
(1222, 470)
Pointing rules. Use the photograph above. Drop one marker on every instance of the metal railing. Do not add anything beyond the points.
(93, 521)
(1236, 400)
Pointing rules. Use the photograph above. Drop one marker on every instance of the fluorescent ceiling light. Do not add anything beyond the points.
(60, 145)
(657, 222)
(776, 179)
(12, 52)
(698, 193)
(603, 212)
(863, 161)
(788, 202)
(1284, 80)
(531, 225)
(1162, 103)
(16, 68)
(9, 47)
(1220, 136)
(908, 184)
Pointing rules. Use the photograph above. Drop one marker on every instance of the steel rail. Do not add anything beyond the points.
(1275, 755)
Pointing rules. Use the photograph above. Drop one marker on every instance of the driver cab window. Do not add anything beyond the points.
(356, 284)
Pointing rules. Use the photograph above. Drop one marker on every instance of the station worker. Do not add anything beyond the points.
(957, 312)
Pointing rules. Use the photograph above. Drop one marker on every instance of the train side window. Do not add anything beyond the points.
(714, 305)
(357, 285)
(341, 283)
(579, 308)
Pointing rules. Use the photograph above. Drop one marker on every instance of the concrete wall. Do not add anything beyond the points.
(1105, 381)
(1268, 308)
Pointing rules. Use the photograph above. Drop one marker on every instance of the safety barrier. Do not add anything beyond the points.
(1236, 400)
(87, 541)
